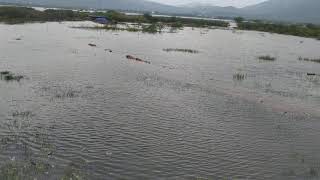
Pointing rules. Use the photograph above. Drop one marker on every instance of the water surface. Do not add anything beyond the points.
(184, 116)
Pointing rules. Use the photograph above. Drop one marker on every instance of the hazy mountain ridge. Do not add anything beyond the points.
(135, 5)
(286, 10)
(280, 10)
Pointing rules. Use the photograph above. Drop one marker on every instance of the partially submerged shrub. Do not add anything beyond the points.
(267, 58)
(177, 25)
(181, 50)
(152, 28)
(5, 72)
(9, 76)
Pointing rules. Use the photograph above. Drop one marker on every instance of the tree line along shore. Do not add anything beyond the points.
(16, 15)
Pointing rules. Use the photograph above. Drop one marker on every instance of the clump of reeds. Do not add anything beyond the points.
(267, 58)
(181, 50)
(239, 76)
(67, 93)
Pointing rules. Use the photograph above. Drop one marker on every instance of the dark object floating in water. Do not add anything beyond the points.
(92, 45)
(311, 74)
(109, 50)
(137, 59)
(18, 39)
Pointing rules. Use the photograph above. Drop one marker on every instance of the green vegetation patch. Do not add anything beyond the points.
(145, 28)
(176, 22)
(16, 170)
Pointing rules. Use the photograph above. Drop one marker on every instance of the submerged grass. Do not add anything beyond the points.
(73, 172)
(66, 93)
(23, 170)
(116, 28)
(23, 114)
(267, 58)
(316, 60)
(181, 50)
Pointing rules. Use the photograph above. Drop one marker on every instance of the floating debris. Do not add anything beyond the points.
(108, 50)
(137, 59)
(92, 45)
(311, 74)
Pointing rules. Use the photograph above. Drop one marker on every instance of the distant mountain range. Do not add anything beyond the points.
(307, 11)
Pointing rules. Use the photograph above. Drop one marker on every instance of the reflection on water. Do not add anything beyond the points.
(86, 112)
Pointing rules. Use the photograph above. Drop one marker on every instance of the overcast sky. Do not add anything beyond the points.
(236, 3)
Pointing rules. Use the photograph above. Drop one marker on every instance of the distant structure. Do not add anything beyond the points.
(100, 19)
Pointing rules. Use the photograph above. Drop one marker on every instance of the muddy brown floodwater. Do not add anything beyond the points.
(82, 111)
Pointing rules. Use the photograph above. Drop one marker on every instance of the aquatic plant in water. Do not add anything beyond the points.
(67, 93)
(267, 58)
(23, 114)
(181, 50)
(239, 76)
(316, 60)
(9, 76)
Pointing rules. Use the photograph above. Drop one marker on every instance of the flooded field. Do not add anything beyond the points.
(209, 104)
